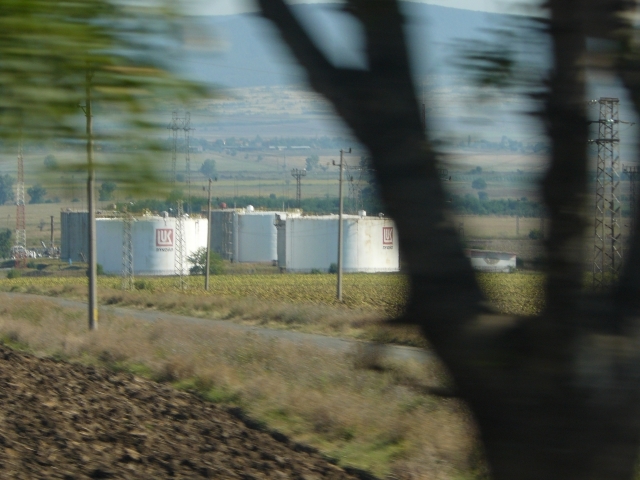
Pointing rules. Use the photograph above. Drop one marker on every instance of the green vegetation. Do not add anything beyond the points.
(199, 261)
(208, 168)
(6, 188)
(37, 193)
(50, 162)
(5, 243)
(472, 205)
(106, 191)
(479, 184)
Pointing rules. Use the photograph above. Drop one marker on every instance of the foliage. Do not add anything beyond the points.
(5, 243)
(535, 234)
(175, 195)
(333, 268)
(37, 193)
(14, 273)
(50, 162)
(208, 168)
(479, 184)
(472, 205)
(199, 261)
(106, 191)
(6, 188)
(483, 196)
(52, 49)
(312, 162)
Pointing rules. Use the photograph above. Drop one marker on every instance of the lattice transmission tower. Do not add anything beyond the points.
(127, 252)
(20, 250)
(179, 246)
(186, 126)
(607, 252)
(298, 174)
(174, 126)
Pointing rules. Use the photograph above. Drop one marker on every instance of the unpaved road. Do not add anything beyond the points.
(64, 421)
(339, 345)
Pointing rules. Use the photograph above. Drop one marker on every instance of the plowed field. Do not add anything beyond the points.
(64, 421)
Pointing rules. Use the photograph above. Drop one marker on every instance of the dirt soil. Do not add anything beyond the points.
(59, 420)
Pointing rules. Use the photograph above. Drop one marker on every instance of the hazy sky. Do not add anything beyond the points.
(227, 7)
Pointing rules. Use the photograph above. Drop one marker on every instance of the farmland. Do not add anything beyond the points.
(382, 294)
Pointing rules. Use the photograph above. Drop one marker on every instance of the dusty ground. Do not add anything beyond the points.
(74, 422)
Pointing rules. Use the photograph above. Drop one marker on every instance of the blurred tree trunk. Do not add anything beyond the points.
(556, 396)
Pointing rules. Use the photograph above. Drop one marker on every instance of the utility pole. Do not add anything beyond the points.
(339, 285)
(127, 252)
(607, 256)
(21, 231)
(51, 244)
(206, 275)
(91, 180)
(298, 174)
(632, 172)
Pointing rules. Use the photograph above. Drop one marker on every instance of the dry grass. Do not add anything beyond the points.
(361, 408)
(236, 303)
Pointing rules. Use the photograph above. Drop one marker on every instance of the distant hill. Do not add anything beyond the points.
(249, 52)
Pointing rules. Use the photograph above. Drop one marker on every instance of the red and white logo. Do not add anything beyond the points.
(164, 237)
(387, 235)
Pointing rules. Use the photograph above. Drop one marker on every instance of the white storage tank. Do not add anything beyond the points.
(369, 244)
(245, 235)
(257, 237)
(154, 243)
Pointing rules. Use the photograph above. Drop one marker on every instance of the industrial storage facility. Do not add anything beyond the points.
(370, 244)
(74, 233)
(153, 241)
(489, 261)
(244, 235)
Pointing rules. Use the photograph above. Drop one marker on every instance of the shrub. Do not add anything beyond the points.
(315, 271)
(199, 261)
(333, 268)
(479, 184)
(14, 273)
(535, 234)
(99, 270)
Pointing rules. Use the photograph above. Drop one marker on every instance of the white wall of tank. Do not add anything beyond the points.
(245, 235)
(370, 244)
(153, 241)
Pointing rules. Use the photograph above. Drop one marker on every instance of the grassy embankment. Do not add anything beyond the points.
(362, 409)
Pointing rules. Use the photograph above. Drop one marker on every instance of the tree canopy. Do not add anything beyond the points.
(52, 48)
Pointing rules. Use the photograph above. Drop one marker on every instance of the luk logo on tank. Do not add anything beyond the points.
(164, 237)
(387, 238)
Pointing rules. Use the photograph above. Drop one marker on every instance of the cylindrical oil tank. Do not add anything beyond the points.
(153, 242)
(74, 236)
(257, 237)
(369, 244)
(244, 235)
